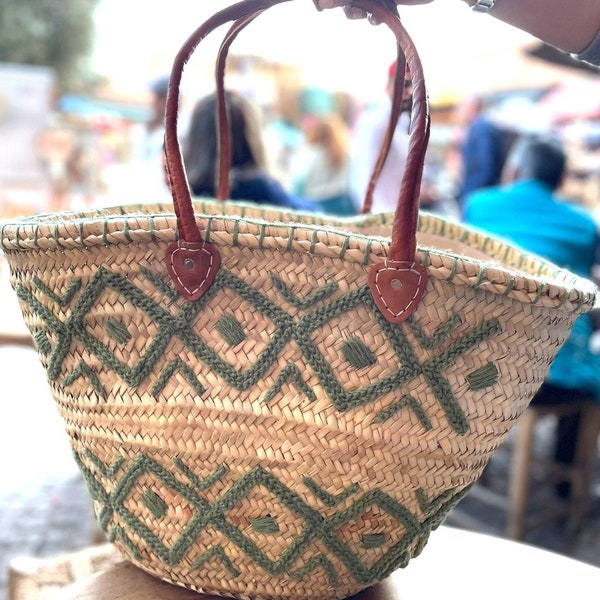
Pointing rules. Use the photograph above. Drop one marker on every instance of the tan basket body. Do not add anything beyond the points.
(279, 438)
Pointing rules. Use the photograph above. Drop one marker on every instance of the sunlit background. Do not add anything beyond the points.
(71, 140)
(138, 40)
(292, 60)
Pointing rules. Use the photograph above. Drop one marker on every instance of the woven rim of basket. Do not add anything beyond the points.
(510, 272)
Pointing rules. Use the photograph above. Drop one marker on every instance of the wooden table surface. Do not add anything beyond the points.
(455, 565)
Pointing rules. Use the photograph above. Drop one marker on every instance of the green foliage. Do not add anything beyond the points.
(52, 33)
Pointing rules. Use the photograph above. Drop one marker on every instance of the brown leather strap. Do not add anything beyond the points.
(224, 128)
(397, 96)
(403, 238)
(182, 200)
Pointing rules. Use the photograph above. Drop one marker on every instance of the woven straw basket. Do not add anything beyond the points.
(268, 404)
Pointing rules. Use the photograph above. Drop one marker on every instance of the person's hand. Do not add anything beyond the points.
(353, 12)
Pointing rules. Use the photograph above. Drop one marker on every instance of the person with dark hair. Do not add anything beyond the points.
(563, 233)
(538, 160)
(249, 179)
(529, 213)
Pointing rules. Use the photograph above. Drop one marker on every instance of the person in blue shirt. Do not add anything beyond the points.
(527, 212)
(482, 155)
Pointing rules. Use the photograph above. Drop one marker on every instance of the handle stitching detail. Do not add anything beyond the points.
(174, 270)
(412, 300)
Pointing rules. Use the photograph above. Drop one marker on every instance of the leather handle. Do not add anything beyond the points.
(397, 95)
(223, 125)
(398, 282)
(191, 261)
(224, 132)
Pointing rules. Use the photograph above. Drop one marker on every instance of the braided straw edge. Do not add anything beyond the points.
(527, 278)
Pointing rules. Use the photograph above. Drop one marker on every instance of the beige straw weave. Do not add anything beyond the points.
(253, 414)
(279, 438)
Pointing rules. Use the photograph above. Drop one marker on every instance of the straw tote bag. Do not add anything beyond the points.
(268, 404)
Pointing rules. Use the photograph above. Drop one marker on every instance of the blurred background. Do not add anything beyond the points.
(76, 81)
(80, 82)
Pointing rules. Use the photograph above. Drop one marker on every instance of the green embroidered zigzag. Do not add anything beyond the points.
(432, 370)
(42, 343)
(290, 373)
(428, 506)
(107, 471)
(406, 402)
(328, 499)
(118, 532)
(201, 485)
(307, 302)
(171, 292)
(170, 370)
(441, 334)
(442, 505)
(73, 331)
(393, 547)
(82, 370)
(64, 299)
(317, 562)
(220, 555)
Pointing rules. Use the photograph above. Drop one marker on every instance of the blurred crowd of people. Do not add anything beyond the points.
(320, 160)
(507, 182)
(323, 160)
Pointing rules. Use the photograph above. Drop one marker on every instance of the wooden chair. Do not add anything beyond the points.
(579, 474)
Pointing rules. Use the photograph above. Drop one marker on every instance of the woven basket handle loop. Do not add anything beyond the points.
(397, 283)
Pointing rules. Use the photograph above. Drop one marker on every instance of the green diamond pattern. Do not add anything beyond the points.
(125, 478)
(443, 349)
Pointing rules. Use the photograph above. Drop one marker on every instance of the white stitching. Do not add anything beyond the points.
(174, 270)
(412, 300)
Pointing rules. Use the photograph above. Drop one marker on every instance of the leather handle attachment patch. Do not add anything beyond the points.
(192, 266)
(397, 288)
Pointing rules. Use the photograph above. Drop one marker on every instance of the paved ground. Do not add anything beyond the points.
(44, 506)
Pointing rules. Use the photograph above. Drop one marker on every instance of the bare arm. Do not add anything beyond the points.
(567, 24)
